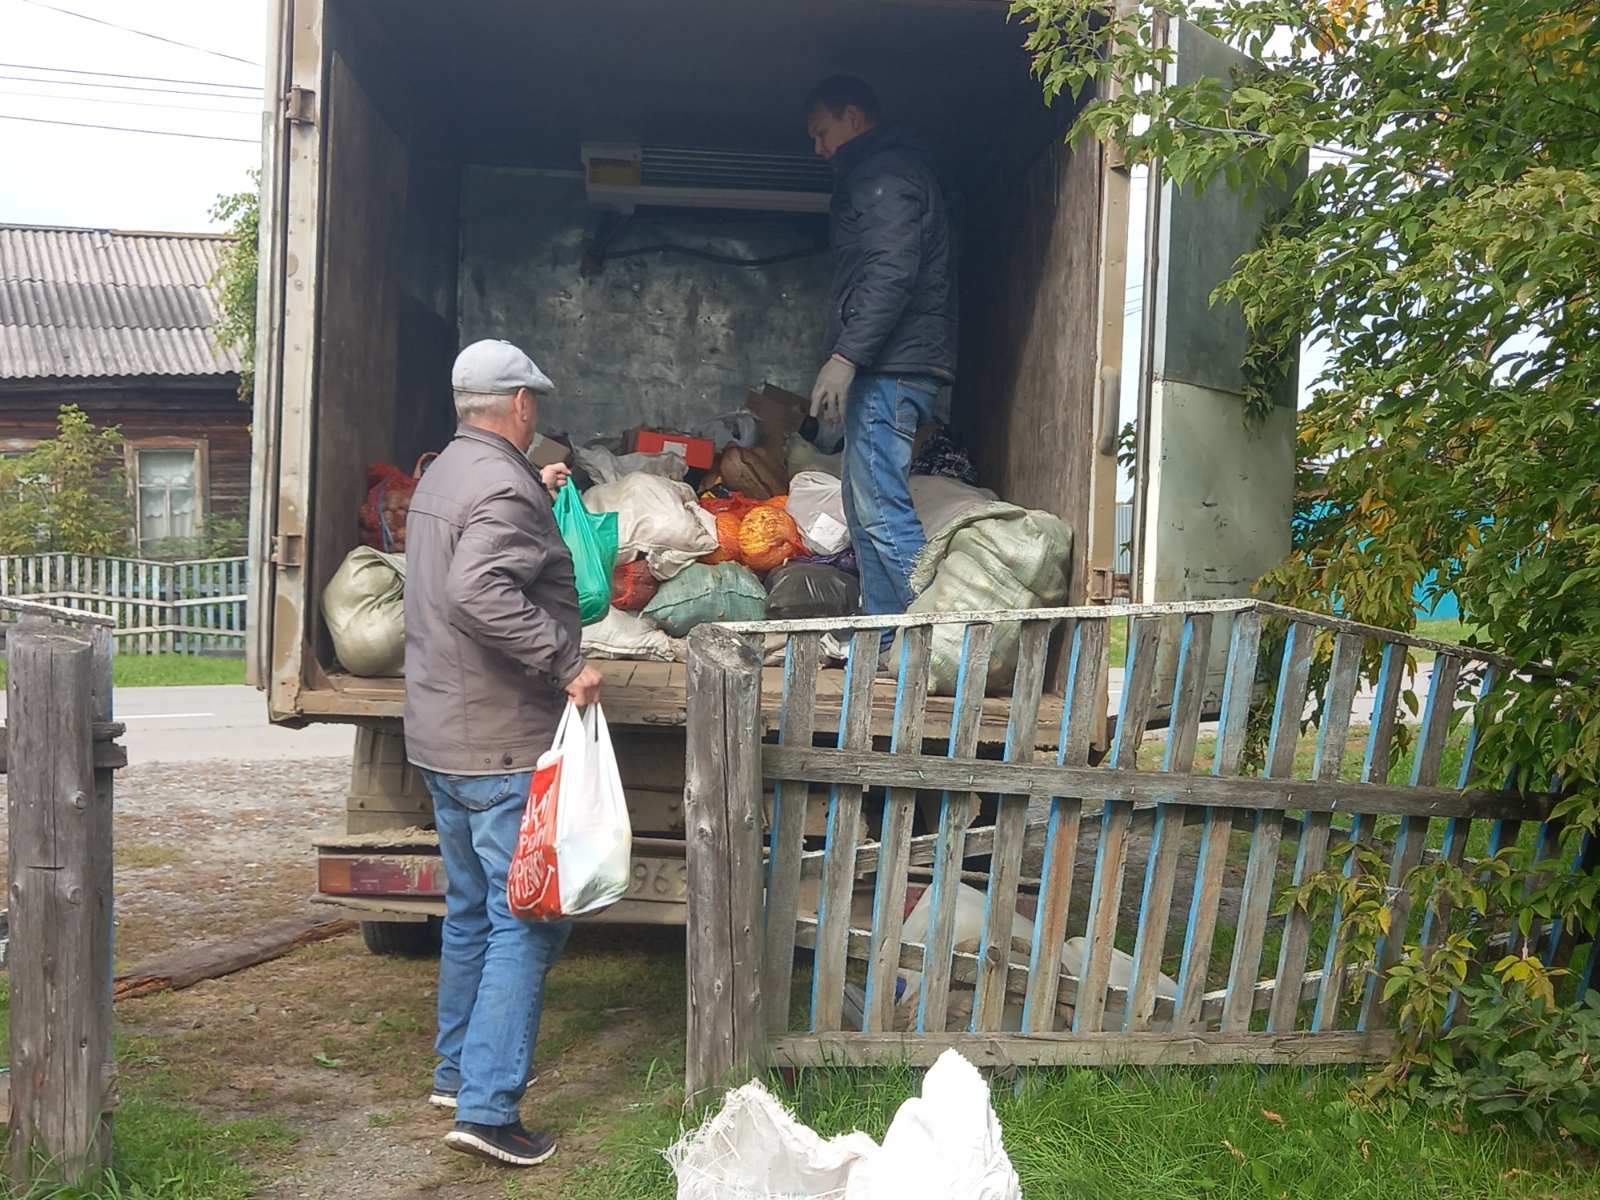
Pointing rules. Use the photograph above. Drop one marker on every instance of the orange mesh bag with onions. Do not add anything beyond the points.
(727, 539)
(769, 537)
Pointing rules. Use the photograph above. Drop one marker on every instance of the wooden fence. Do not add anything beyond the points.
(58, 751)
(194, 607)
(1069, 901)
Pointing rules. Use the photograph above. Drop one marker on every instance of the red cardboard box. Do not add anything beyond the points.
(697, 452)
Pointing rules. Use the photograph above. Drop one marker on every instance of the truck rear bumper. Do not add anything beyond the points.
(398, 876)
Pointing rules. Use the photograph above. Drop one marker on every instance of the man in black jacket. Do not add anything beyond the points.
(891, 327)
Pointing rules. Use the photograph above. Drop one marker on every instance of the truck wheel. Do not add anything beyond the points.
(413, 939)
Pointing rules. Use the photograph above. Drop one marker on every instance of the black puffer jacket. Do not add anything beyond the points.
(894, 284)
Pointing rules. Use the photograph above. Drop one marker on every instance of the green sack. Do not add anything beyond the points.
(592, 539)
(700, 594)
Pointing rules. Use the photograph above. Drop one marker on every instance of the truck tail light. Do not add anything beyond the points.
(381, 875)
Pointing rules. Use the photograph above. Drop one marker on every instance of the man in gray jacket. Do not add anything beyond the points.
(492, 656)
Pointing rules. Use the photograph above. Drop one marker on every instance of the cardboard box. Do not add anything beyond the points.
(697, 452)
(547, 451)
(780, 413)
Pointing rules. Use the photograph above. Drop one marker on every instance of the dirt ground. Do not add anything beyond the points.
(331, 1042)
(335, 1044)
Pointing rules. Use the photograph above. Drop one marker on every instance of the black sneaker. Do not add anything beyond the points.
(446, 1097)
(510, 1144)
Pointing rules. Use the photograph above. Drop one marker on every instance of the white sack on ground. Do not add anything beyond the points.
(621, 634)
(364, 605)
(754, 1149)
(943, 1145)
(970, 922)
(660, 519)
(816, 502)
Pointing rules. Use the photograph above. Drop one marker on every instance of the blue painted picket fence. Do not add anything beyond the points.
(1131, 897)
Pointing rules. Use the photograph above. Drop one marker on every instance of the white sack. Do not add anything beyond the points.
(969, 927)
(660, 519)
(945, 1145)
(602, 466)
(816, 502)
(940, 501)
(621, 634)
(364, 605)
(754, 1149)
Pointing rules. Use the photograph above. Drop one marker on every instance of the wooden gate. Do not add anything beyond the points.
(1083, 888)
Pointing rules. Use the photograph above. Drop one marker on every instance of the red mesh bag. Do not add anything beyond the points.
(632, 586)
(383, 516)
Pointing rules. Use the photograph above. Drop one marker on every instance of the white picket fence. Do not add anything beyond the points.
(195, 607)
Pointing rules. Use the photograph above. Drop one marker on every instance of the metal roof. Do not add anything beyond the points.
(106, 304)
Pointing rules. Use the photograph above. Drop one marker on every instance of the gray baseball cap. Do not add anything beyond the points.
(497, 368)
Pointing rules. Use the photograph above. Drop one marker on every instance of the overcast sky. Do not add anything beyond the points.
(60, 174)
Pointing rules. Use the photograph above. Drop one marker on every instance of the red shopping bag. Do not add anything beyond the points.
(574, 849)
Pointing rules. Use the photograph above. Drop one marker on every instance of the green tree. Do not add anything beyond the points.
(235, 279)
(67, 495)
(1447, 252)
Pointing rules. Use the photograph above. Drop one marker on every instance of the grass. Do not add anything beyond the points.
(162, 1149)
(147, 855)
(168, 670)
(1133, 1134)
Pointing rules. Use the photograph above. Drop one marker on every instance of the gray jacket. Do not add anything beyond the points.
(492, 628)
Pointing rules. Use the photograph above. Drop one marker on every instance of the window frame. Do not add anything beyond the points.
(132, 447)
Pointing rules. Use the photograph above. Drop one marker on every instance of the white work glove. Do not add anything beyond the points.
(833, 384)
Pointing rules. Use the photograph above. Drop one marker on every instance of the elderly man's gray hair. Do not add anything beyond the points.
(470, 405)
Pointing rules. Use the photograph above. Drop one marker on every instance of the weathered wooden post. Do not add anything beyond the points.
(722, 807)
(59, 762)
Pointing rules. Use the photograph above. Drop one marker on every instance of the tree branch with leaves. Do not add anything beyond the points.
(1445, 248)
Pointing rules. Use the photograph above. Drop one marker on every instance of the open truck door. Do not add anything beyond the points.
(1213, 496)
(338, 332)
(286, 302)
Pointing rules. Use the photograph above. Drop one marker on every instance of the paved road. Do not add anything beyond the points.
(207, 724)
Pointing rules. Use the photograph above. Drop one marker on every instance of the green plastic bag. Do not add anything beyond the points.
(592, 539)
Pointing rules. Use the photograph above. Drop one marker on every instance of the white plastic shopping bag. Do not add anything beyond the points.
(574, 851)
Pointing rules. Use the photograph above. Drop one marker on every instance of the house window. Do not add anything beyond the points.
(169, 483)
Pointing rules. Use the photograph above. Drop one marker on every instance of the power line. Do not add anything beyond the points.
(123, 87)
(141, 32)
(121, 103)
(249, 87)
(204, 137)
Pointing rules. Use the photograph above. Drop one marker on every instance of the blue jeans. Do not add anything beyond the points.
(492, 964)
(882, 414)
